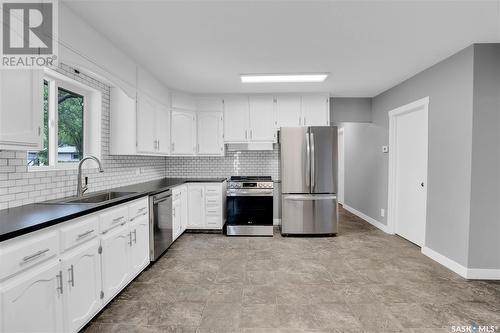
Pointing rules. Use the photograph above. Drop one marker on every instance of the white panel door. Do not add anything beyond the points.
(209, 134)
(146, 124)
(32, 302)
(196, 206)
(410, 175)
(183, 132)
(162, 129)
(21, 109)
(236, 119)
(115, 260)
(262, 126)
(315, 110)
(288, 111)
(139, 250)
(82, 284)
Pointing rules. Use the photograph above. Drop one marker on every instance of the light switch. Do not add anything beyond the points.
(385, 149)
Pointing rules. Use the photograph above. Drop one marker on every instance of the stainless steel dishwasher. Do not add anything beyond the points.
(160, 224)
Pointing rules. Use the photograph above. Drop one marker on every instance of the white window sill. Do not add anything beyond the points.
(68, 167)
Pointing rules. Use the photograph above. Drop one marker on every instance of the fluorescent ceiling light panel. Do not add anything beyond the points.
(282, 78)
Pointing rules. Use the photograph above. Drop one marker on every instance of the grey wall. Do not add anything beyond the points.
(343, 109)
(484, 247)
(449, 86)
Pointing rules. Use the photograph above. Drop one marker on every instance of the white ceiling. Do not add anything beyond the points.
(366, 46)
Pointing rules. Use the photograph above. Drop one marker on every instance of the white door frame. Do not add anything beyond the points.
(392, 199)
(341, 132)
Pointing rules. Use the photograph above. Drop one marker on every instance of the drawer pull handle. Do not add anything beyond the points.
(141, 210)
(212, 211)
(35, 255)
(118, 219)
(85, 234)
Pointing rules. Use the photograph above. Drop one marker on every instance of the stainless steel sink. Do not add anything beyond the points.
(90, 198)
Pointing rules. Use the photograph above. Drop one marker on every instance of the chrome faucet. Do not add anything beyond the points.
(82, 188)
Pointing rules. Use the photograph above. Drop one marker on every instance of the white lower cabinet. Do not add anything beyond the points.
(81, 270)
(32, 301)
(139, 247)
(115, 261)
(61, 288)
(206, 206)
(196, 206)
(179, 210)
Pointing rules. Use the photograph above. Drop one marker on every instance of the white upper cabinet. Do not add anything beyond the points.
(146, 124)
(210, 133)
(262, 126)
(210, 104)
(315, 110)
(162, 129)
(236, 119)
(21, 109)
(32, 302)
(305, 110)
(153, 126)
(288, 111)
(183, 132)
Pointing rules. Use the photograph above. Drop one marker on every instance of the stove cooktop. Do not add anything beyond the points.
(251, 178)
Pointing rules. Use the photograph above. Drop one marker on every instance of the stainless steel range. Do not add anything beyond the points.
(249, 206)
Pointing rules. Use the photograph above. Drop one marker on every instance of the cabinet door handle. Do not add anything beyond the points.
(158, 144)
(71, 273)
(59, 282)
(245, 134)
(300, 121)
(130, 238)
(173, 146)
(35, 255)
(198, 148)
(251, 134)
(135, 236)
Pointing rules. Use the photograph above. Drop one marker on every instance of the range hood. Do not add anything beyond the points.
(249, 146)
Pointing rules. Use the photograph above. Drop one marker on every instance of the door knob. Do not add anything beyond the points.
(422, 184)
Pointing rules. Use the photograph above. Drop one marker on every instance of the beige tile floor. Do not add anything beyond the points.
(360, 281)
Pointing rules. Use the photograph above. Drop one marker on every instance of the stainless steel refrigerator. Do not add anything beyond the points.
(309, 180)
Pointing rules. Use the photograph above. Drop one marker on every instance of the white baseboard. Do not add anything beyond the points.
(276, 221)
(445, 261)
(368, 219)
(468, 273)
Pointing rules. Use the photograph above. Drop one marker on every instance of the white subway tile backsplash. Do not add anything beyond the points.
(18, 186)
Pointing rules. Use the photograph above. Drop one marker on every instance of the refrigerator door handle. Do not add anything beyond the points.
(313, 167)
(308, 162)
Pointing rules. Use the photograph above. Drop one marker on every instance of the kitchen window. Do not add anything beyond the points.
(67, 114)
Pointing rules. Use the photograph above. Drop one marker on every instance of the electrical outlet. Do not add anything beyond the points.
(385, 149)
(382, 212)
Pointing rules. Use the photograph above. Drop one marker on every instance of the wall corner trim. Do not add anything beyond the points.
(368, 219)
(467, 273)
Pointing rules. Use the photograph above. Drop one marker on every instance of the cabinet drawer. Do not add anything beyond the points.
(79, 231)
(27, 252)
(212, 200)
(213, 210)
(138, 208)
(113, 217)
(213, 190)
(214, 222)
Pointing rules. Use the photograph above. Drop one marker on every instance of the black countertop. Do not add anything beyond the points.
(25, 219)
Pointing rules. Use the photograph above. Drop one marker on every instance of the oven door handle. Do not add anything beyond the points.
(250, 194)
